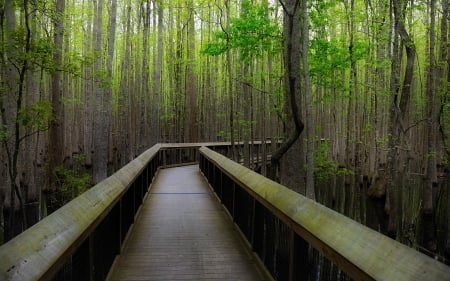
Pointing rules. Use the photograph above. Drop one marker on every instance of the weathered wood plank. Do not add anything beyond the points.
(182, 233)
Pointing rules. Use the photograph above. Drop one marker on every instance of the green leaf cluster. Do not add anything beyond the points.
(252, 34)
(4, 133)
(72, 181)
(36, 116)
(324, 169)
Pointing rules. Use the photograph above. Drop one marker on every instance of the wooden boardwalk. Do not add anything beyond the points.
(182, 233)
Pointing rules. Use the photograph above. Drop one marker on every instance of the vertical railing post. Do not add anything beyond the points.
(298, 258)
(252, 223)
(81, 263)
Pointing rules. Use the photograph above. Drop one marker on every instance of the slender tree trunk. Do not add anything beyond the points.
(430, 178)
(124, 100)
(10, 79)
(400, 96)
(230, 85)
(442, 94)
(146, 102)
(157, 78)
(11, 105)
(291, 149)
(191, 79)
(310, 190)
(56, 130)
(101, 109)
(88, 90)
(109, 68)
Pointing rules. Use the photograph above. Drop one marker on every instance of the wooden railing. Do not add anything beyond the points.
(281, 225)
(81, 240)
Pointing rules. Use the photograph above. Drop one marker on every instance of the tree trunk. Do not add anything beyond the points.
(154, 134)
(87, 93)
(400, 96)
(12, 105)
(56, 130)
(430, 178)
(10, 79)
(101, 108)
(191, 80)
(124, 100)
(109, 68)
(310, 190)
(289, 154)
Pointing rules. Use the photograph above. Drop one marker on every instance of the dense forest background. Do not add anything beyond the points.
(356, 93)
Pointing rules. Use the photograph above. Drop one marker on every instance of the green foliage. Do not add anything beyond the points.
(225, 135)
(41, 53)
(218, 47)
(252, 33)
(324, 169)
(36, 116)
(319, 14)
(74, 63)
(444, 123)
(4, 133)
(73, 181)
(329, 54)
(345, 172)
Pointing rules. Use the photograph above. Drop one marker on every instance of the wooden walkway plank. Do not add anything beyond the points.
(182, 233)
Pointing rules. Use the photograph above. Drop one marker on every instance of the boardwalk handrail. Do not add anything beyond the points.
(69, 233)
(361, 252)
(82, 238)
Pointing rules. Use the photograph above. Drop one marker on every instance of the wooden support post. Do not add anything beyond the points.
(298, 258)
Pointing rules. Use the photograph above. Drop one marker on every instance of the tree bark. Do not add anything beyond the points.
(400, 96)
(154, 134)
(191, 79)
(430, 178)
(11, 106)
(101, 108)
(109, 68)
(292, 176)
(310, 190)
(56, 130)
(124, 100)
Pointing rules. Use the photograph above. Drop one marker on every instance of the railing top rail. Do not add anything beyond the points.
(361, 252)
(207, 144)
(39, 252)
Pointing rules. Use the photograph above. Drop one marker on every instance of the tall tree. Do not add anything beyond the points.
(101, 102)
(191, 78)
(111, 40)
(310, 190)
(431, 130)
(56, 130)
(291, 150)
(398, 109)
(19, 120)
(157, 77)
(124, 97)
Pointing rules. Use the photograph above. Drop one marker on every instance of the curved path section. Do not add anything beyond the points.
(182, 233)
